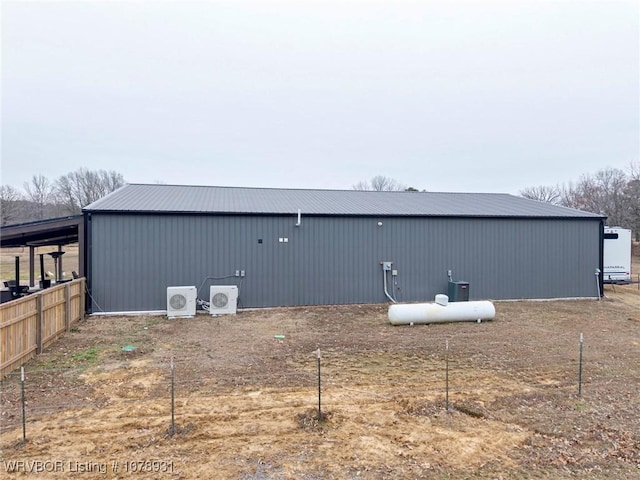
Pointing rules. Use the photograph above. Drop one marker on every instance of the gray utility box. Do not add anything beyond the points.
(458, 291)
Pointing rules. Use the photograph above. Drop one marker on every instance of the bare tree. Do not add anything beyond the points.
(542, 194)
(609, 192)
(632, 195)
(11, 204)
(380, 183)
(612, 183)
(39, 193)
(634, 170)
(82, 187)
(602, 193)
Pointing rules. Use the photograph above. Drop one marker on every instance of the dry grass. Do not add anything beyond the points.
(246, 401)
(7, 262)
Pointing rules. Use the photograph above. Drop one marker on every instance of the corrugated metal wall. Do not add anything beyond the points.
(336, 260)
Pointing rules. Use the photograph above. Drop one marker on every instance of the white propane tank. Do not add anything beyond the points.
(440, 312)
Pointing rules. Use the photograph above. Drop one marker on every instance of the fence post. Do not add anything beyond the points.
(446, 374)
(24, 413)
(172, 430)
(67, 307)
(39, 323)
(83, 300)
(580, 367)
(319, 356)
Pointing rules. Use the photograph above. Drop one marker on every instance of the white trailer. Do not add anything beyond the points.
(617, 255)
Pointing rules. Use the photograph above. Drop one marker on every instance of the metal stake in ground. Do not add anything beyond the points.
(173, 399)
(580, 367)
(446, 375)
(319, 356)
(24, 416)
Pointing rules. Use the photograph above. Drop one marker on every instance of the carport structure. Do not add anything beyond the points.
(52, 232)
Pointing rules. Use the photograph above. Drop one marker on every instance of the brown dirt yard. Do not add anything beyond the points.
(246, 401)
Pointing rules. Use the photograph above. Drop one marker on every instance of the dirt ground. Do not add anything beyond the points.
(246, 396)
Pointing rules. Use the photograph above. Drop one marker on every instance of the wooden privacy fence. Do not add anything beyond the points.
(29, 324)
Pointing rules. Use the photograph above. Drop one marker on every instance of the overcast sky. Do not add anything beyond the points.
(445, 96)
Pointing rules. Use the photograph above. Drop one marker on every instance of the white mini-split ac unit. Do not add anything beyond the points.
(223, 299)
(181, 301)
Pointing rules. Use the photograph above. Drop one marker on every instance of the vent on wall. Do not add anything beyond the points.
(181, 301)
(223, 299)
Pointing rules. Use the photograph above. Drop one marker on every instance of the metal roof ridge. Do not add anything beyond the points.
(291, 189)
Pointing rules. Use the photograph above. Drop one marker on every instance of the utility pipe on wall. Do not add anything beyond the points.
(384, 273)
(386, 266)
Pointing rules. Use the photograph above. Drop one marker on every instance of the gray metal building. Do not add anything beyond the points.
(315, 247)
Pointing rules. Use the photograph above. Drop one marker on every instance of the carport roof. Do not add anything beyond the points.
(158, 198)
(55, 231)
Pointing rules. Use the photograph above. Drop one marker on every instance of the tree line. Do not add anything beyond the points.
(43, 198)
(611, 192)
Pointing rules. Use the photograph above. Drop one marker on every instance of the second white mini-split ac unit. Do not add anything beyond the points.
(223, 299)
(181, 301)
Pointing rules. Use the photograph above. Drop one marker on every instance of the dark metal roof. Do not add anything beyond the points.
(53, 231)
(160, 198)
